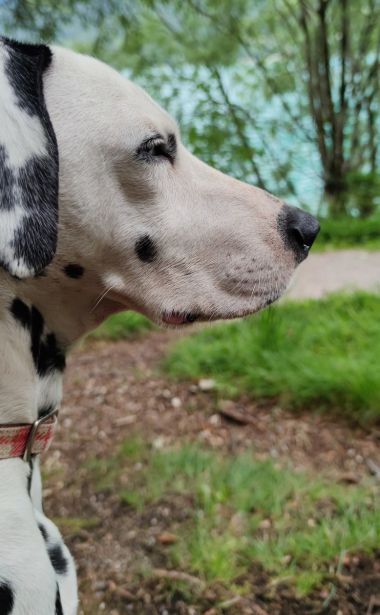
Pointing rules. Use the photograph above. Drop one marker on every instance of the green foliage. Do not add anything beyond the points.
(236, 76)
(121, 326)
(346, 232)
(322, 354)
(362, 193)
(242, 511)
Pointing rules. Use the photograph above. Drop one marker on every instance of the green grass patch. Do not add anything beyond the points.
(319, 353)
(73, 525)
(243, 511)
(349, 233)
(121, 326)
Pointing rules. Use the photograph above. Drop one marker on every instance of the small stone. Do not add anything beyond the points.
(265, 524)
(215, 420)
(167, 538)
(225, 405)
(206, 384)
(311, 522)
(176, 402)
(158, 443)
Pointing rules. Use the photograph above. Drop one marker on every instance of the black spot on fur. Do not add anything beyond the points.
(26, 56)
(145, 249)
(43, 531)
(30, 475)
(58, 560)
(6, 598)
(74, 271)
(34, 188)
(45, 410)
(58, 603)
(46, 353)
(21, 313)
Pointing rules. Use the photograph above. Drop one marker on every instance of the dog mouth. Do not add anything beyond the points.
(179, 318)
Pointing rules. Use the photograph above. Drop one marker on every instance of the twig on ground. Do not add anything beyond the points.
(177, 575)
(373, 467)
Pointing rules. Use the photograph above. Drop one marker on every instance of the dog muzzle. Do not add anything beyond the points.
(28, 439)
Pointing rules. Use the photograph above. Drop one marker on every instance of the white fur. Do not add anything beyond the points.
(33, 142)
(10, 221)
(23, 556)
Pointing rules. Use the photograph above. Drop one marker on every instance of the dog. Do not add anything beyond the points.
(142, 225)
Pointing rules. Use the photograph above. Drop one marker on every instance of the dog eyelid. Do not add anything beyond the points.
(156, 146)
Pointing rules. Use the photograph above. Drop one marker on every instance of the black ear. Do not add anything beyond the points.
(28, 161)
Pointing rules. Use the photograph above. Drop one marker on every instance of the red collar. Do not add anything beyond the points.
(28, 439)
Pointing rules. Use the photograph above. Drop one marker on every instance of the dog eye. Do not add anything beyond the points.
(154, 148)
(160, 149)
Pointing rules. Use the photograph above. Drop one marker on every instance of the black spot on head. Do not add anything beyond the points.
(145, 249)
(6, 598)
(58, 603)
(21, 313)
(58, 560)
(72, 270)
(43, 531)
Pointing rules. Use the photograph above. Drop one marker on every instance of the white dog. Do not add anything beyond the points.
(142, 225)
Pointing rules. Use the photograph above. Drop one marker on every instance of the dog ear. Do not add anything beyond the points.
(28, 161)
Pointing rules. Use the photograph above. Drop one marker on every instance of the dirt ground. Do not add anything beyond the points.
(115, 389)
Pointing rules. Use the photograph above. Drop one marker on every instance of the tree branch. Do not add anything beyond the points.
(235, 118)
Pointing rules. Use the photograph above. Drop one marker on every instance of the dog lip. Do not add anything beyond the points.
(178, 318)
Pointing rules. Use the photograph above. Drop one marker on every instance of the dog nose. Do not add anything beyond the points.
(298, 229)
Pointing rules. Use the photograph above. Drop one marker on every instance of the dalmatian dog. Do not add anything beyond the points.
(103, 209)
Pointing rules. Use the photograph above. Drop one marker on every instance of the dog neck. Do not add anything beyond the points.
(40, 319)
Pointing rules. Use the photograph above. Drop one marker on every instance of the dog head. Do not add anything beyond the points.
(160, 231)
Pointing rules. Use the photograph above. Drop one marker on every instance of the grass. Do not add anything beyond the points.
(349, 233)
(122, 326)
(316, 353)
(244, 512)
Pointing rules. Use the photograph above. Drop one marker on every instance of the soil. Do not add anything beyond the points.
(114, 389)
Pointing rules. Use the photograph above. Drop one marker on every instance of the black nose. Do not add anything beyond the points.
(298, 229)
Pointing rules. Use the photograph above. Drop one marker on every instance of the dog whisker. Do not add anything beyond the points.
(101, 297)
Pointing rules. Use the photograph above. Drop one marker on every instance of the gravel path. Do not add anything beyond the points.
(330, 271)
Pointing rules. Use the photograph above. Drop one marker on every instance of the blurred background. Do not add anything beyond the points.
(235, 468)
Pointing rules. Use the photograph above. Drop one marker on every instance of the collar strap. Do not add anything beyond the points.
(28, 439)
